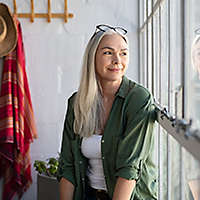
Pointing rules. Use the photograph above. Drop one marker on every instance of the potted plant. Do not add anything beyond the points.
(47, 184)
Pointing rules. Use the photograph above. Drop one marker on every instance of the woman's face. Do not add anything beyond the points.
(196, 56)
(112, 57)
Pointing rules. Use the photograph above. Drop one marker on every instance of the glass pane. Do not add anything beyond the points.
(192, 76)
(145, 58)
(149, 6)
(164, 151)
(156, 55)
(154, 2)
(175, 86)
(164, 53)
(193, 62)
(145, 9)
(142, 57)
(142, 11)
(191, 176)
(150, 54)
(163, 165)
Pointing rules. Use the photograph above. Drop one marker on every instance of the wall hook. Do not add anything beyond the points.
(49, 15)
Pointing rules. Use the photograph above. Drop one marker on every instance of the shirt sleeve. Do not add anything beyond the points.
(136, 143)
(66, 161)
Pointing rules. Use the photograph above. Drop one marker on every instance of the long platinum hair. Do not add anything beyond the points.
(88, 105)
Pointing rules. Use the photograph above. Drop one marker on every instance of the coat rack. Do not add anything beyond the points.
(48, 15)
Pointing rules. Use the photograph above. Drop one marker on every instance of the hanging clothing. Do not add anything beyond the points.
(17, 124)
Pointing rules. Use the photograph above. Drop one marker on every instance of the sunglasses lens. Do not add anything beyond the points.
(120, 30)
(116, 29)
(104, 27)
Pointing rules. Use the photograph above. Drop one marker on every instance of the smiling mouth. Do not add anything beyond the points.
(114, 69)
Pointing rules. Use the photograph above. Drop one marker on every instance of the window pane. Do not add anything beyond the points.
(142, 12)
(162, 70)
(142, 57)
(175, 96)
(150, 54)
(192, 77)
(193, 61)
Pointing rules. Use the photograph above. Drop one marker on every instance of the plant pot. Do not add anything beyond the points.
(47, 188)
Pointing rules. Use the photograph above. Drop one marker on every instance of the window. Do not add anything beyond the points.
(193, 61)
(165, 68)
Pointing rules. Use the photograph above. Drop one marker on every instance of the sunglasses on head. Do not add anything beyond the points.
(117, 29)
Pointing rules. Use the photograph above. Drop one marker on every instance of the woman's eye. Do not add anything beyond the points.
(124, 53)
(107, 52)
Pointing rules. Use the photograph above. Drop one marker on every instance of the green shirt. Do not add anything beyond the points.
(126, 145)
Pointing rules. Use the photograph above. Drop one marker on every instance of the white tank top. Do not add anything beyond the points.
(91, 149)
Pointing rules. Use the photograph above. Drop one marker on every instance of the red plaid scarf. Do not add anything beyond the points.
(17, 124)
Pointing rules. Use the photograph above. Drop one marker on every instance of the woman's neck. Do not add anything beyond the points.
(109, 88)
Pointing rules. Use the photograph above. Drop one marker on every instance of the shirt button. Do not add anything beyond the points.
(80, 162)
(103, 158)
(83, 179)
(102, 141)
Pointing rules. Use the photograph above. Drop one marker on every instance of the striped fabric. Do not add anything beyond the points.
(17, 124)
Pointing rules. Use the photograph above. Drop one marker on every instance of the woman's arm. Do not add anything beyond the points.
(123, 189)
(135, 147)
(66, 189)
(66, 166)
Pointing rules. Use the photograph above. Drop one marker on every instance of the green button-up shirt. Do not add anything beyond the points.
(126, 146)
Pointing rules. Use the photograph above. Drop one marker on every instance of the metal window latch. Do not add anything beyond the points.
(165, 113)
(185, 126)
(181, 129)
(179, 124)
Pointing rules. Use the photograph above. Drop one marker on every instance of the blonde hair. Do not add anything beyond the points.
(88, 106)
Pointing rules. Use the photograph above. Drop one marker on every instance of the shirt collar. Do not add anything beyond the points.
(124, 87)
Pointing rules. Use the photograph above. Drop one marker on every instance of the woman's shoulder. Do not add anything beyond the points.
(138, 91)
(138, 98)
(71, 99)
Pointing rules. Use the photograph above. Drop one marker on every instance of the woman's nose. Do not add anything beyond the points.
(116, 59)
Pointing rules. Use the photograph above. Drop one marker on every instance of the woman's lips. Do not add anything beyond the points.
(114, 69)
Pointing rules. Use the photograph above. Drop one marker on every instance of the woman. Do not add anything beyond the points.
(195, 52)
(195, 81)
(107, 139)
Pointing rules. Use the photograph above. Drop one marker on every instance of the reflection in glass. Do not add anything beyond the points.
(191, 165)
(195, 79)
(196, 56)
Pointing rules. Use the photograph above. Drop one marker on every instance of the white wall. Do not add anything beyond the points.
(53, 61)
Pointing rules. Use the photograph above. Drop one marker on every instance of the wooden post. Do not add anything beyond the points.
(32, 11)
(66, 12)
(49, 11)
(15, 7)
